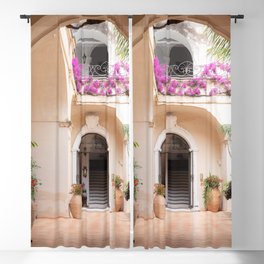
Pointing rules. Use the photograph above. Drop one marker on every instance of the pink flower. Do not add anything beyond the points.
(109, 91)
(117, 68)
(214, 91)
(103, 92)
(118, 90)
(184, 85)
(180, 92)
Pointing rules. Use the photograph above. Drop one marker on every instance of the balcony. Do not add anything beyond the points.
(104, 83)
(189, 84)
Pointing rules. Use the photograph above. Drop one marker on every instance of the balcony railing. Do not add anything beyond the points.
(183, 70)
(99, 71)
(101, 80)
(186, 79)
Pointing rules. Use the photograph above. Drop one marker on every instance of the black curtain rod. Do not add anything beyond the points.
(27, 17)
(237, 17)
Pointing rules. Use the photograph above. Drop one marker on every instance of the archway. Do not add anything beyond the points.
(184, 138)
(176, 172)
(92, 171)
(93, 127)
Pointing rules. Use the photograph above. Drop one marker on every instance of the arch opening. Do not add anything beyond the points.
(176, 171)
(92, 171)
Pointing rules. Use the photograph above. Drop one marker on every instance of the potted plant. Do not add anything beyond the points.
(117, 183)
(227, 190)
(212, 194)
(35, 183)
(159, 200)
(126, 191)
(75, 204)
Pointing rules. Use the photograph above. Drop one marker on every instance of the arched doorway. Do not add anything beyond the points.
(92, 171)
(176, 171)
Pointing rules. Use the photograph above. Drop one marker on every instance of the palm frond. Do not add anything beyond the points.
(121, 45)
(220, 47)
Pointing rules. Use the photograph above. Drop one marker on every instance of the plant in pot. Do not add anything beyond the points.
(227, 190)
(126, 191)
(159, 200)
(126, 194)
(118, 195)
(75, 204)
(35, 183)
(212, 194)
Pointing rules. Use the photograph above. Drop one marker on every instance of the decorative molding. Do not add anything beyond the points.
(92, 121)
(174, 128)
(66, 124)
(171, 121)
(151, 124)
(92, 126)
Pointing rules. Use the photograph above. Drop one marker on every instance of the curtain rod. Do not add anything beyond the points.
(237, 17)
(27, 17)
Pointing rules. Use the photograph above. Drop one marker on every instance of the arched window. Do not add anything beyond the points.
(174, 50)
(91, 49)
(181, 62)
(99, 61)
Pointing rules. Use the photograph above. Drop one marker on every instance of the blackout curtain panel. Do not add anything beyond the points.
(80, 131)
(131, 131)
(182, 130)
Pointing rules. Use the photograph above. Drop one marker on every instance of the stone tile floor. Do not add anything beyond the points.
(185, 230)
(101, 229)
(95, 229)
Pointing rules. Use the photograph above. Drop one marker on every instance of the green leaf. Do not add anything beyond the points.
(122, 48)
(221, 47)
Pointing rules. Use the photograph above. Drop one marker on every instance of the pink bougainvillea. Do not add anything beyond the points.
(218, 74)
(116, 83)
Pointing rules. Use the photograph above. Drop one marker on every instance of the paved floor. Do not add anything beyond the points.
(95, 229)
(185, 229)
(101, 229)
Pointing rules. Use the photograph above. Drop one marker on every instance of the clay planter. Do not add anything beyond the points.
(33, 212)
(75, 206)
(214, 200)
(118, 199)
(159, 206)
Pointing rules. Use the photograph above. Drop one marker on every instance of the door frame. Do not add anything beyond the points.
(175, 129)
(92, 126)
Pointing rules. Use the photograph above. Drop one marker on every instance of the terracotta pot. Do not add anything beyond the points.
(75, 206)
(159, 206)
(118, 199)
(33, 212)
(214, 200)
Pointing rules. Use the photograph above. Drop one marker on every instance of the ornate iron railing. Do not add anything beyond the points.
(102, 70)
(182, 70)
(187, 70)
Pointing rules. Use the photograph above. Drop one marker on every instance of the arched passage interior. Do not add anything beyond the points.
(92, 171)
(176, 171)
